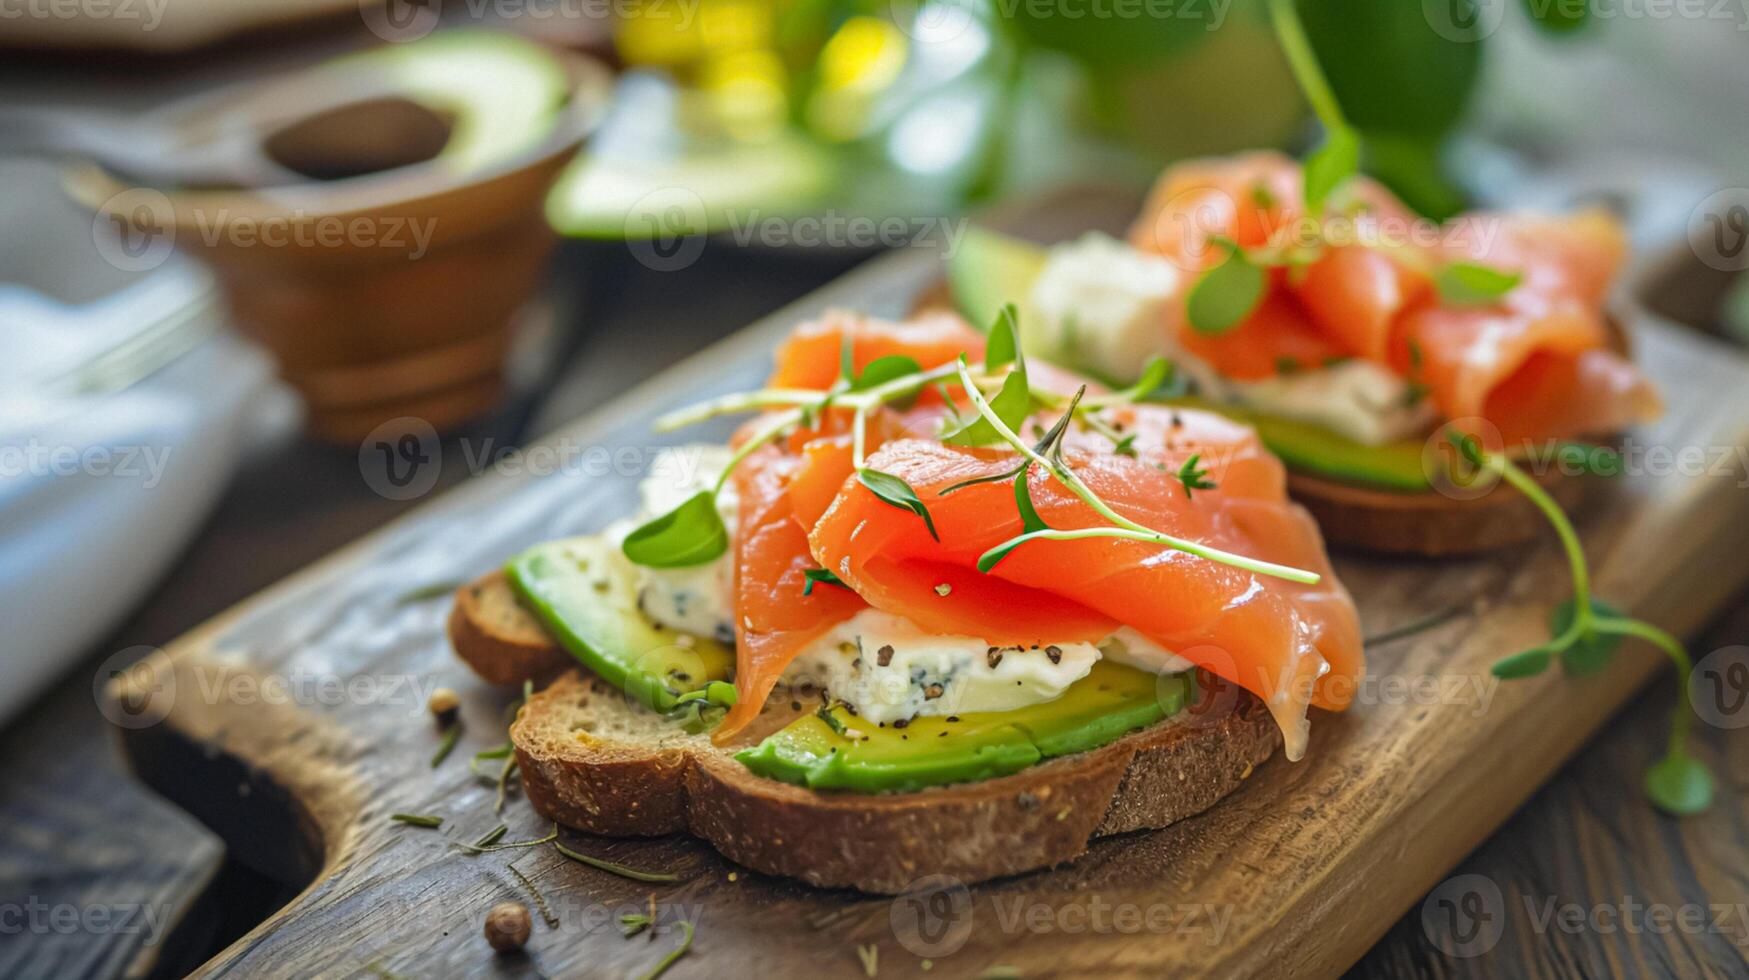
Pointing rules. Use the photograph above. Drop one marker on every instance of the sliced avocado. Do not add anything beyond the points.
(501, 93)
(1315, 449)
(991, 269)
(856, 756)
(580, 592)
(640, 189)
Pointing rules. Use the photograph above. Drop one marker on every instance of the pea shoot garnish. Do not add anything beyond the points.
(1120, 526)
(1228, 292)
(1586, 633)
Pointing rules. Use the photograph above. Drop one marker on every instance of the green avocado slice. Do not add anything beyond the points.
(577, 589)
(501, 93)
(990, 269)
(932, 751)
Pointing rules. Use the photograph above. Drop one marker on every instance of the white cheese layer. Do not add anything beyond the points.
(1102, 304)
(697, 599)
(889, 670)
(1356, 399)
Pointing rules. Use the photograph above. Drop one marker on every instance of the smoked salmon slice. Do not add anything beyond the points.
(1292, 645)
(784, 488)
(1537, 362)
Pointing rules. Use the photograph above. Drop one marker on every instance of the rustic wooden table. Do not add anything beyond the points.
(1587, 879)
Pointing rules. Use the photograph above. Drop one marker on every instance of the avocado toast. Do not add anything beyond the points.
(884, 634)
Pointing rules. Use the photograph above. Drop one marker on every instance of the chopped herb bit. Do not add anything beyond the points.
(870, 955)
(1126, 446)
(492, 836)
(417, 820)
(1262, 196)
(450, 734)
(1286, 365)
(1193, 477)
(895, 491)
(679, 951)
(943, 589)
(1414, 393)
(540, 901)
(818, 575)
(824, 713)
(618, 869)
(1414, 348)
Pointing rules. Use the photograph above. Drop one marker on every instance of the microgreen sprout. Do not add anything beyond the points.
(1121, 527)
(1193, 477)
(1586, 633)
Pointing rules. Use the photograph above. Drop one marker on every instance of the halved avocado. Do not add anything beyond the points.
(990, 269)
(857, 756)
(578, 589)
(500, 93)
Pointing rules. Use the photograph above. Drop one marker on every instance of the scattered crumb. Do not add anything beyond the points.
(733, 876)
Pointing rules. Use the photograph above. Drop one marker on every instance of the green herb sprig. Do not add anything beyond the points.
(619, 869)
(1120, 527)
(662, 966)
(1586, 635)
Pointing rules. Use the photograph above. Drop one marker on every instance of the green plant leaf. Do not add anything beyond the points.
(1225, 295)
(1154, 377)
(1329, 166)
(1012, 404)
(846, 358)
(884, 369)
(1125, 446)
(1528, 663)
(1004, 343)
(1559, 17)
(1680, 785)
(1029, 517)
(1193, 477)
(894, 490)
(1470, 284)
(817, 575)
(690, 534)
(1588, 654)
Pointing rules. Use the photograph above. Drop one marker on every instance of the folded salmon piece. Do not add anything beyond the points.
(784, 488)
(1537, 363)
(1293, 645)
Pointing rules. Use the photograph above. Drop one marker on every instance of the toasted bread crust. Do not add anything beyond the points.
(1038, 817)
(496, 637)
(1429, 524)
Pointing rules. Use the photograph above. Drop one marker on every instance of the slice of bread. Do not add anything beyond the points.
(594, 760)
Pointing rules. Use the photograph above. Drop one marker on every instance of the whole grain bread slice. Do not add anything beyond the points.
(595, 760)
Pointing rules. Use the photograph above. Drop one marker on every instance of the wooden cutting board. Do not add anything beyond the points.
(294, 725)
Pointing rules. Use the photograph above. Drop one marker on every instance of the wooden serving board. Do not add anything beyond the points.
(294, 725)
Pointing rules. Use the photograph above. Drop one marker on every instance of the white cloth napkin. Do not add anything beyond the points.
(99, 492)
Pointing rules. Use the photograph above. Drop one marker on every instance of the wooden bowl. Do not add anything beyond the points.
(383, 295)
